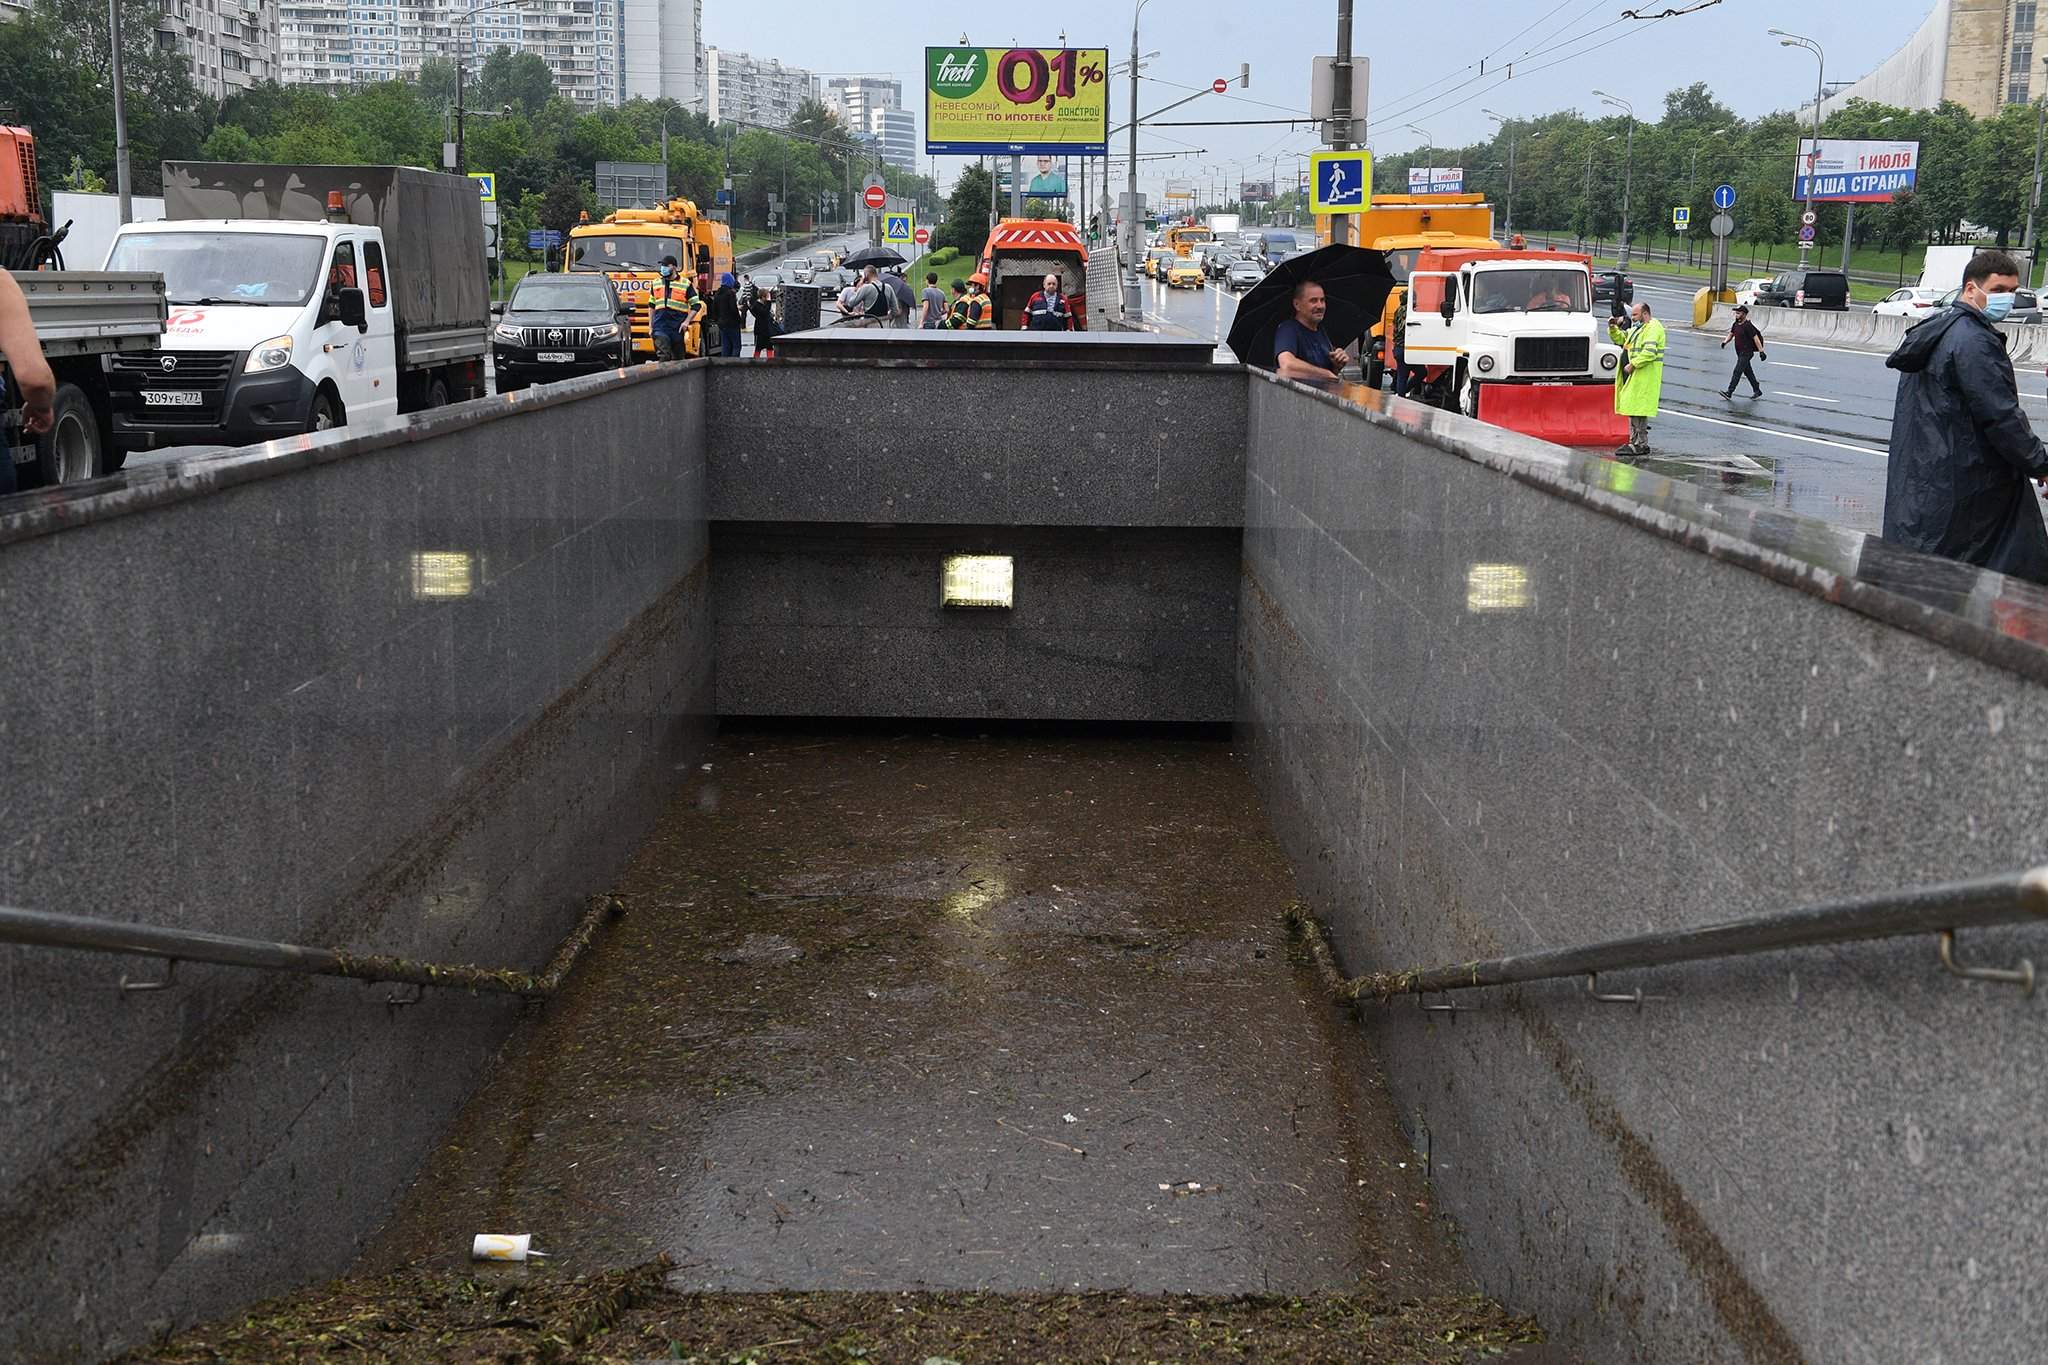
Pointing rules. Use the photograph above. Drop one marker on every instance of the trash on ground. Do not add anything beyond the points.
(503, 1246)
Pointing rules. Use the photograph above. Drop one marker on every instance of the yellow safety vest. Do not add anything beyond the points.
(988, 311)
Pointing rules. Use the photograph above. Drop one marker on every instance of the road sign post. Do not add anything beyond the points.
(1722, 227)
(1681, 218)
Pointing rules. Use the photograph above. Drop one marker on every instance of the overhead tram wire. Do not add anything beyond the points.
(1432, 108)
(1478, 68)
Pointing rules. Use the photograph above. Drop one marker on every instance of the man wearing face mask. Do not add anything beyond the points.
(668, 305)
(1962, 451)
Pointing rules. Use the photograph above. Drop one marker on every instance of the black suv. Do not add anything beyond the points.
(1614, 289)
(560, 326)
(1828, 289)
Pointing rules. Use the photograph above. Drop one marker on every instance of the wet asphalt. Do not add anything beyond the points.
(946, 1012)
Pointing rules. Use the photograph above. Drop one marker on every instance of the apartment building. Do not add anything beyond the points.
(854, 98)
(754, 89)
(1983, 54)
(895, 131)
(585, 43)
(231, 44)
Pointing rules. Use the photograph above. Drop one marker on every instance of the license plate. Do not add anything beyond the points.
(170, 398)
(555, 357)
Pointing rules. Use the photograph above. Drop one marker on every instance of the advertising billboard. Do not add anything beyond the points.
(1844, 172)
(1256, 192)
(1436, 180)
(1045, 177)
(1180, 189)
(1028, 100)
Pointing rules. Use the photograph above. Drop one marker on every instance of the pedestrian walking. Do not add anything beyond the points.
(1048, 309)
(746, 292)
(726, 315)
(1962, 451)
(933, 315)
(1749, 342)
(766, 328)
(668, 312)
(1639, 383)
(902, 299)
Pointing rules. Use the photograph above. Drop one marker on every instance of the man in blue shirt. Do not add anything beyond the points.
(1302, 346)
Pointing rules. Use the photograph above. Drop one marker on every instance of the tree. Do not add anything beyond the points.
(518, 80)
(966, 226)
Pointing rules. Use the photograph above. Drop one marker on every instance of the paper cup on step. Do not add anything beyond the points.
(503, 1246)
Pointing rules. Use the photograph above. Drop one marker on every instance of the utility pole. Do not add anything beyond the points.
(1628, 175)
(2034, 202)
(122, 183)
(1134, 294)
(1508, 126)
(1340, 110)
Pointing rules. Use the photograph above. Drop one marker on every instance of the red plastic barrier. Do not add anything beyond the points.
(1564, 414)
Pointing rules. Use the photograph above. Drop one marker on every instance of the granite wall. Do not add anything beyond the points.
(1499, 699)
(837, 490)
(415, 688)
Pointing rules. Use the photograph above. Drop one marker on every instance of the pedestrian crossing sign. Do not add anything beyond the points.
(1340, 182)
(486, 186)
(899, 229)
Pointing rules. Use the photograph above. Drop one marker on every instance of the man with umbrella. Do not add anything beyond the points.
(1301, 347)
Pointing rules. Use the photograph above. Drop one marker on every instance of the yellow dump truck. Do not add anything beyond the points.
(1404, 226)
(629, 244)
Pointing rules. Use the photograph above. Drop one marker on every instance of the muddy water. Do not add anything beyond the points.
(946, 1012)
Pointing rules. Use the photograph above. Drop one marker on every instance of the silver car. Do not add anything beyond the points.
(797, 269)
(1242, 275)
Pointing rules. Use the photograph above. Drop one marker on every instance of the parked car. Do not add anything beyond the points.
(1242, 274)
(1909, 303)
(1614, 289)
(560, 326)
(1826, 289)
(1746, 292)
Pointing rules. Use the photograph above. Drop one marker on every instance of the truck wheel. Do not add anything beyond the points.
(437, 393)
(69, 452)
(327, 413)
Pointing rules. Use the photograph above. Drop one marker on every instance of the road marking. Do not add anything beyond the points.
(1789, 365)
(1772, 431)
(1809, 397)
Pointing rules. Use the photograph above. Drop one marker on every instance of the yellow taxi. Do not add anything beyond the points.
(1185, 272)
(1156, 260)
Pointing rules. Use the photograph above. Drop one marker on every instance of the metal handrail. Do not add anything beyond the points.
(2011, 898)
(44, 929)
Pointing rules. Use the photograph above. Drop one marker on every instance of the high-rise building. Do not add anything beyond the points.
(1982, 54)
(599, 51)
(232, 44)
(754, 89)
(854, 98)
(895, 130)
(662, 47)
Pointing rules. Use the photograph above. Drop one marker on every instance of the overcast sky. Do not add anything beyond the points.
(1424, 65)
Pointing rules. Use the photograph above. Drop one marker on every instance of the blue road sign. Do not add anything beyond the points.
(1340, 182)
(1806, 234)
(724, 197)
(486, 186)
(1724, 197)
(899, 228)
(540, 239)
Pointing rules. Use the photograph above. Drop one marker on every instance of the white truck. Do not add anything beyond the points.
(302, 298)
(1510, 337)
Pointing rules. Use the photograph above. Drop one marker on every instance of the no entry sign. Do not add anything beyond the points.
(1219, 85)
(875, 197)
(924, 235)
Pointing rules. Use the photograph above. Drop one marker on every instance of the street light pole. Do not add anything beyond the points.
(1341, 111)
(1629, 173)
(1819, 86)
(1508, 126)
(2034, 202)
(122, 182)
(1134, 296)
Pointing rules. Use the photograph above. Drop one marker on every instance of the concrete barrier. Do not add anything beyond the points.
(413, 689)
(1499, 699)
(2026, 343)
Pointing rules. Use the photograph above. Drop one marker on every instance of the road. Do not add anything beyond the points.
(1814, 444)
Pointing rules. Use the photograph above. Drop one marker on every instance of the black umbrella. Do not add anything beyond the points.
(875, 256)
(1354, 278)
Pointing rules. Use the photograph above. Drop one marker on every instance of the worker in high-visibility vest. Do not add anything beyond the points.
(668, 312)
(981, 309)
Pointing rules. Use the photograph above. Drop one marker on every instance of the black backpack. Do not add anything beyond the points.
(884, 302)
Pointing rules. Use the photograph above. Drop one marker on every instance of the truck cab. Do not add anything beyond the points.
(1511, 337)
(629, 245)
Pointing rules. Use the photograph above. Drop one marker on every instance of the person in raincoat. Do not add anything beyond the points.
(1962, 451)
(1639, 383)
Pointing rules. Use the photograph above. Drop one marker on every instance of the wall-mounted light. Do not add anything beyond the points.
(438, 575)
(976, 581)
(1496, 587)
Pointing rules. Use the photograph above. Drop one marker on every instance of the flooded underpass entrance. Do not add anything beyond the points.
(1011, 1019)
